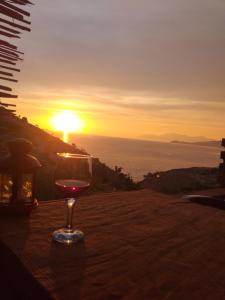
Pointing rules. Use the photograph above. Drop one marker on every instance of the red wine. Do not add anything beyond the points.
(71, 187)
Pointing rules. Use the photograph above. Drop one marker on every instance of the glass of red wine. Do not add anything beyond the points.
(78, 169)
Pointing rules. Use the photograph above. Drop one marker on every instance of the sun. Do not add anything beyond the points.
(67, 121)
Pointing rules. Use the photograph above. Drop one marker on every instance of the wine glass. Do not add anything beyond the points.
(78, 168)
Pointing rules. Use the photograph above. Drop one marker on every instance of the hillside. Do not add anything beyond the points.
(45, 148)
(181, 180)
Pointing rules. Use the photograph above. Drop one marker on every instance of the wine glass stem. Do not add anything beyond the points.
(70, 206)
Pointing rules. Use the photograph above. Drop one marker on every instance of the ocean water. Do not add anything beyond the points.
(138, 157)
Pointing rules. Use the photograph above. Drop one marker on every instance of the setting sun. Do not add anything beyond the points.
(67, 121)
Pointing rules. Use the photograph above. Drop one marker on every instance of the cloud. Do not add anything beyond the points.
(173, 48)
(162, 59)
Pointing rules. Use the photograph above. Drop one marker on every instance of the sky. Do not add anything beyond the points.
(128, 68)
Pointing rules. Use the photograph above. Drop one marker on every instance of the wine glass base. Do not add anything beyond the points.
(66, 236)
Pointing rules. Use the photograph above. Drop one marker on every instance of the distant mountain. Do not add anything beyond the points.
(167, 137)
(206, 144)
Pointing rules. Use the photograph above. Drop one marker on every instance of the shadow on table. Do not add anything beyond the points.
(67, 265)
(17, 282)
(15, 232)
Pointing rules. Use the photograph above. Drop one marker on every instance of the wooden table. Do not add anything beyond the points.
(138, 245)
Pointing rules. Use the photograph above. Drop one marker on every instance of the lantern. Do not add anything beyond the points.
(17, 178)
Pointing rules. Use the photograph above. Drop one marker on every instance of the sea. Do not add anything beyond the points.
(139, 157)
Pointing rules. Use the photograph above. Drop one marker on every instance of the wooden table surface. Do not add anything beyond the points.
(138, 245)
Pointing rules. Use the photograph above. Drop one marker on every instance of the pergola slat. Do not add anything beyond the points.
(9, 52)
(9, 68)
(8, 79)
(9, 34)
(6, 95)
(7, 104)
(8, 62)
(8, 45)
(13, 14)
(7, 57)
(5, 88)
(15, 24)
(15, 8)
(10, 27)
(6, 73)
(21, 2)
(10, 49)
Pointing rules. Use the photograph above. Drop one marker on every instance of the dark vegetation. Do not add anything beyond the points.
(181, 180)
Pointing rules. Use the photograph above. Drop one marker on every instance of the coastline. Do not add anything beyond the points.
(139, 157)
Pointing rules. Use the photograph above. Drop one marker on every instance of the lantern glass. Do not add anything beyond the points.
(6, 184)
(25, 189)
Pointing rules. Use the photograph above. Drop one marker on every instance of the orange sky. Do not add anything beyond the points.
(132, 68)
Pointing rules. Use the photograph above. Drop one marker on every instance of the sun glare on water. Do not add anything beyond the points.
(67, 121)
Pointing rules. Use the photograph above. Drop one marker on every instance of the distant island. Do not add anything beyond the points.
(203, 143)
(172, 136)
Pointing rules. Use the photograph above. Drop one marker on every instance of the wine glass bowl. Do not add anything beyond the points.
(71, 188)
(77, 172)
